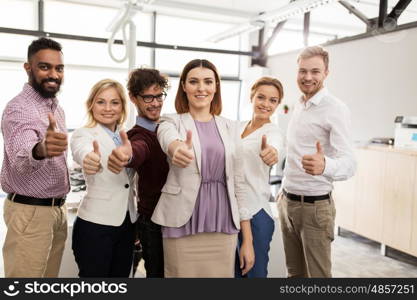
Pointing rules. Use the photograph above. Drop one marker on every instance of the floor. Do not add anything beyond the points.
(356, 256)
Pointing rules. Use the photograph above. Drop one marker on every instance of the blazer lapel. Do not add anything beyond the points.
(190, 125)
(104, 137)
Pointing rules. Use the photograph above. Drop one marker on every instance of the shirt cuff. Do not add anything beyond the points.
(244, 214)
(34, 161)
(330, 167)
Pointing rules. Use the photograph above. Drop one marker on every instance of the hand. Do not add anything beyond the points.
(183, 154)
(121, 155)
(268, 153)
(54, 143)
(246, 257)
(314, 164)
(91, 162)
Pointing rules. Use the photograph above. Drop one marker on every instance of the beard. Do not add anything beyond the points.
(40, 88)
(312, 90)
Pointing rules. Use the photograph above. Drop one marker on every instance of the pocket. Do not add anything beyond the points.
(171, 189)
(323, 214)
(19, 216)
(325, 218)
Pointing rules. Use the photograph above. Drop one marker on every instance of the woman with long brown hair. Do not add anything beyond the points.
(202, 206)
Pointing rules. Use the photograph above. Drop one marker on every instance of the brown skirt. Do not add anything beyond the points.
(201, 255)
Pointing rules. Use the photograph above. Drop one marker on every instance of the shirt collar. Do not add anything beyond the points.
(33, 94)
(115, 136)
(316, 99)
(146, 123)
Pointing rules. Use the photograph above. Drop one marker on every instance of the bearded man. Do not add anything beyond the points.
(34, 173)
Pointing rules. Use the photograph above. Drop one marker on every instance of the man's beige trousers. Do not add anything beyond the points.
(35, 239)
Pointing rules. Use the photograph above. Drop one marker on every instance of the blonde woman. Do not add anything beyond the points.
(261, 141)
(201, 208)
(103, 234)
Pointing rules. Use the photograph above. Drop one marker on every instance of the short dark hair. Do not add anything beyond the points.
(143, 78)
(181, 100)
(41, 44)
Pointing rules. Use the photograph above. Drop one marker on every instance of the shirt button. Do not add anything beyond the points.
(126, 185)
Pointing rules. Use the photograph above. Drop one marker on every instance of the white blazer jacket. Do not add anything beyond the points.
(180, 191)
(108, 195)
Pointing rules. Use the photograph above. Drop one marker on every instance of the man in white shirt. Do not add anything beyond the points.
(319, 151)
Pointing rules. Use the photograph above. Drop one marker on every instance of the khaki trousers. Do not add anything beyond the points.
(307, 232)
(35, 239)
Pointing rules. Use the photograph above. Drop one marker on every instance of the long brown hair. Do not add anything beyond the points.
(181, 100)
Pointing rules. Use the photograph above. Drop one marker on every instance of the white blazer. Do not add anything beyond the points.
(109, 195)
(179, 194)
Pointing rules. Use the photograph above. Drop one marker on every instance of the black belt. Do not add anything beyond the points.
(308, 199)
(36, 201)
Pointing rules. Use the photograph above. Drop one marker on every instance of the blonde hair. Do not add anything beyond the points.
(315, 51)
(268, 81)
(97, 89)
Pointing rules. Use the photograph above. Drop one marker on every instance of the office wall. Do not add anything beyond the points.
(375, 77)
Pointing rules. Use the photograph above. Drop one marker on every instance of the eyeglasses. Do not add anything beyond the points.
(150, 98)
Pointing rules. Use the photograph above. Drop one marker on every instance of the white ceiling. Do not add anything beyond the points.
(236, 11)
(254, 7)
(332, 19)
(247, 6)
(333, 16)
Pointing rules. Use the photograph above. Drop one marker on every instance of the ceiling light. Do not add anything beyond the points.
(275, 16)
(293, 9)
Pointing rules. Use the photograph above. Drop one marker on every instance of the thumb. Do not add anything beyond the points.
(319, 148)
(189, 141)
(52, 122)
(263, 145)
(96, 148)
(124, 138)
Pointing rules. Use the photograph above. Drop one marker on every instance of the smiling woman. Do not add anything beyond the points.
(202, 205)
(103, 237)
(107, 108)
(262, 142)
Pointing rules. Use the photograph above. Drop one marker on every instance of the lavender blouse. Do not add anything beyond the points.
(212, 211)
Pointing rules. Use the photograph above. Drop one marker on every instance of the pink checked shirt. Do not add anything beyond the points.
(24, 124)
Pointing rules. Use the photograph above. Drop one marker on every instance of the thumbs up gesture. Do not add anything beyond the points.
(54, 143)
(91, 162)
(268, 153)
(183, 153)
(314, 164)
(121, 155)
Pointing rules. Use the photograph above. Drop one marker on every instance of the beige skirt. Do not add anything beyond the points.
(202, 255)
